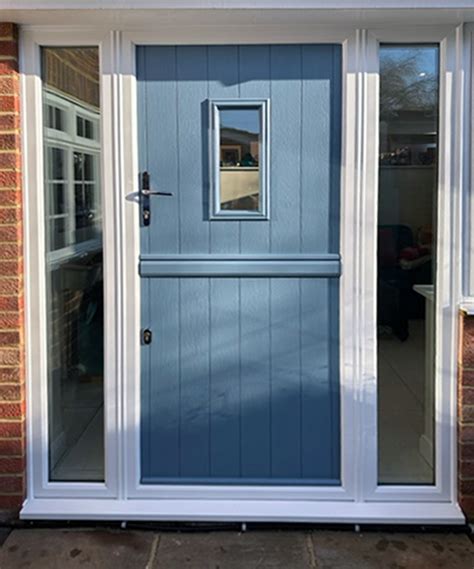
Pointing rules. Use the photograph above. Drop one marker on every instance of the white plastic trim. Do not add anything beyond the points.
(449, 274)
(244, 511)
(235, 4)
(35, 269)
(467, 307)
(125, 497)
(131, 398)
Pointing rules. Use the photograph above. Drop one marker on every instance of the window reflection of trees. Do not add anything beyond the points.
(405, 83)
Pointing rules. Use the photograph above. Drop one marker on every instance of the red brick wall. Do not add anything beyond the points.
(466, 416)
(12, 396)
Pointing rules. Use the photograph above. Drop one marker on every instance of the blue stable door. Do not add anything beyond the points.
(239, 264)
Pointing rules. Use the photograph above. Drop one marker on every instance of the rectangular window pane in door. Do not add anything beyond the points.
(406, 260)
(239, 148)
(74, 267)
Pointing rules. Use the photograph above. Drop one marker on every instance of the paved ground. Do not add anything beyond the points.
(117, 549)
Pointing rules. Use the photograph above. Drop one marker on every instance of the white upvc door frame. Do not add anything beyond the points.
(359, 498)
(131, 325)
(38, 483)
(453, 161)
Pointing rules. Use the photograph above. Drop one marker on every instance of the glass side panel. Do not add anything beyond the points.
(240, 140)
(406, 261)
(74, 264)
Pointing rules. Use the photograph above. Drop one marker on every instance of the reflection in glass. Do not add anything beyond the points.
(406, 259)
(239, 158)
(74, 263)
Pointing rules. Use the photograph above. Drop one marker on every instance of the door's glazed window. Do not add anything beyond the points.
(74, 276)
(239, 156)
(406, 262)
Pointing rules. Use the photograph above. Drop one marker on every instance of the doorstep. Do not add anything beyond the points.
(309, 511)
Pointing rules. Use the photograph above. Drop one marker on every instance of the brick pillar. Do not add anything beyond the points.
(12, 393)
(466, 416)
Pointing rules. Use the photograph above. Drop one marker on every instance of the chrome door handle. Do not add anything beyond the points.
(145, 187)
(153, 193)
(145, 194)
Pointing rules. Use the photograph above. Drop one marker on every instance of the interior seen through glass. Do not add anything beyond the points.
(406, 259)
(74, 279)
(239, 158)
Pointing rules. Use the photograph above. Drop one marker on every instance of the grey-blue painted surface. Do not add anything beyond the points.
(214, 268)
(241, 381)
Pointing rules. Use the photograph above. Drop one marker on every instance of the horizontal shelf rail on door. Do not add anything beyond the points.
(322, 266)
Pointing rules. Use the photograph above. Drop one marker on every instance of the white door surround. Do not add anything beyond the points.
(359, 499)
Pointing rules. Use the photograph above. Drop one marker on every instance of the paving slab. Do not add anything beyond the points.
(232, 550)
(61, 549)
(346, 550)
(118, 549)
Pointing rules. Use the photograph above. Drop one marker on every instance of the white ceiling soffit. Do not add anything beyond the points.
(121, 14)
(223, 4)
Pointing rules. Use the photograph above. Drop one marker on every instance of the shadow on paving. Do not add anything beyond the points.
(117, 549)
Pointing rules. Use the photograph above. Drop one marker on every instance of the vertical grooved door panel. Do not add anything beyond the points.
(240, 384)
